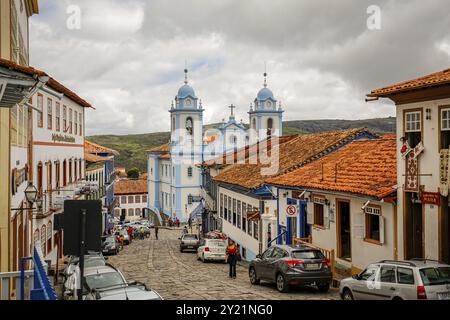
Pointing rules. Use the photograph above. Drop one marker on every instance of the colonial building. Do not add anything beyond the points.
(14, 47)
(344, 203)
(423, 143)
(131, 198)
(104, 178)
(174, 179)
(246, 204)
(58, 163)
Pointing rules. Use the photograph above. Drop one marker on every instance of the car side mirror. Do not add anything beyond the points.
(259, 256)
(66, 262)
(356, 277)
(106, 258)
(179, 238)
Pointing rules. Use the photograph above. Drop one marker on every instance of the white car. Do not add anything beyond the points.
(96, 278)
(416, 279)
(212, 250)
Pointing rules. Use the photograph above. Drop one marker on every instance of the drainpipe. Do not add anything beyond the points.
(279, 240)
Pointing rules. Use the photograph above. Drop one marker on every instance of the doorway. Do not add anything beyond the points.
(414, 227)
(445, 230)
(343, 230)
(305, 229)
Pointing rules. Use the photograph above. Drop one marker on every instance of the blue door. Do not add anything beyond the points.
(305, 229)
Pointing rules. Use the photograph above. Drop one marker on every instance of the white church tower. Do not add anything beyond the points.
(266, 118)
(186, 150)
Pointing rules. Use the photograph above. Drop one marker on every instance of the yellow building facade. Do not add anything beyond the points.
(14, 45)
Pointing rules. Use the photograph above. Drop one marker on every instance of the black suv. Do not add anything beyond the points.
(290, 265)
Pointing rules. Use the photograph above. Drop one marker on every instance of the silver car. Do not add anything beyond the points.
(416, 279)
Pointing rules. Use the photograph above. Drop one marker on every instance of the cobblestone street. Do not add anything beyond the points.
(180, 276)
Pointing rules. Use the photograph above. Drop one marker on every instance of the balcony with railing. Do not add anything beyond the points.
(31, 284)
(53, 200)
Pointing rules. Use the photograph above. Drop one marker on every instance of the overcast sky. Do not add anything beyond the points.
(128, 57)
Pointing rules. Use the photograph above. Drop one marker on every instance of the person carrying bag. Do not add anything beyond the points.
(231, 258)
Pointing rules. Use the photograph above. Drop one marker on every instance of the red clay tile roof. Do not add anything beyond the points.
(91, 147)
(244, 153)
(364, 167)
(435, 79)
(292, 154)
(52, 83)
(127, 186)
(94, 158)
(161, 149)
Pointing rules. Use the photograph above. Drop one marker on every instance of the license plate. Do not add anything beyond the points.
(312, 266)
(443, 295)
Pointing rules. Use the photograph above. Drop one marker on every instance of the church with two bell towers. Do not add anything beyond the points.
(174, 177)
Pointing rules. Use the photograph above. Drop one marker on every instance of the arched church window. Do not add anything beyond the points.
(254, 124)
(190, 172)
(269, 104)
(233, 139)
(173, 123)
(269, 127)
(190, 126)
(188, 102)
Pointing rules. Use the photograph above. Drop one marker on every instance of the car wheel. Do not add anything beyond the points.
(324, 288)
(282, 285)
(253, 278)
(347, 295)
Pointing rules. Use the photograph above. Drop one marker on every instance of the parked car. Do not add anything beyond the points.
(189, 242)
(212, 250)
(415, 279)
(96, 278)
(110, 246)
(130, 291)
(289, 265)
(91, 260)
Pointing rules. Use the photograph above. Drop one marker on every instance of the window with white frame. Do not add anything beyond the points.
(58, 117)
(413, 121)
(445, 119)
(40, 115)
(49, 114)
(374, 224)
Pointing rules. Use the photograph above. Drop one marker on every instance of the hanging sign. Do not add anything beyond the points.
(431, 198)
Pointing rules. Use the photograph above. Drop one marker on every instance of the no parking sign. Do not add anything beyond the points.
(292, 211)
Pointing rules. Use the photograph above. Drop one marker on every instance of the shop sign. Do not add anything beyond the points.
(433, 198)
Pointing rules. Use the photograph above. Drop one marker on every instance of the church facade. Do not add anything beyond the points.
(174, 177)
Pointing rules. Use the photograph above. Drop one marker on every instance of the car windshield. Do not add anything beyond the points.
(216, 243)
(435, 276)
(190, 237)
(104, 280)
(308, 254)
(110, 240)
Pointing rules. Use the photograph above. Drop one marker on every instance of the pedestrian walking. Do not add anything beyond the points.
(156, 232)
(232, 257)
(177, 222)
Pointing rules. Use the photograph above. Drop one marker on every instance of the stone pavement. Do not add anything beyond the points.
(180, 276)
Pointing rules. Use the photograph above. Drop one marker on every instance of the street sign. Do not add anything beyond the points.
(291, 211)
(73, 226)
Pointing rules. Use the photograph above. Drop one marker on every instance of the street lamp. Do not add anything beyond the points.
(31, 194)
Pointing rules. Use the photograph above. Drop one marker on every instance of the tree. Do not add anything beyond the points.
(133, 173)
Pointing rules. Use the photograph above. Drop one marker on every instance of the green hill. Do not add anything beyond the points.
(133, 147)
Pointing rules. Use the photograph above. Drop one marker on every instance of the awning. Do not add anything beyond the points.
(17, 83)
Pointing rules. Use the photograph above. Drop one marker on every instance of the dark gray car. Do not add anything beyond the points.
(289, 265)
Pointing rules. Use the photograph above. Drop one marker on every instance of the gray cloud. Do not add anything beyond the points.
(128, 57)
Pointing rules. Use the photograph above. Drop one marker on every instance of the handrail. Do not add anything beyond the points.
(280, 235)
(329, 254)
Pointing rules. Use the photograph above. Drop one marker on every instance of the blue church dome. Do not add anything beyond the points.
(264, 94)
(186, 91)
